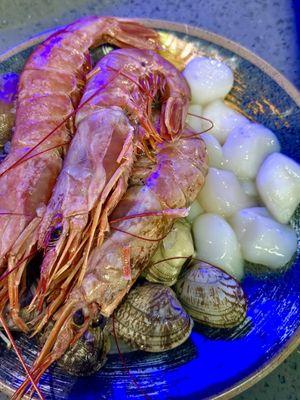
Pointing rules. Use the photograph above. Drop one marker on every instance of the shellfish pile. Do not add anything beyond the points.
(155, 318)
(134, 159)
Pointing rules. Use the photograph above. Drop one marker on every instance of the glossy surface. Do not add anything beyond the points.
(264, 240)
(212, 297)
(214, 150)
(217, 244)
(246, 148)
(152, 319)
(274, 301)
(209, 79)
(224, 118)
(222, 193)
(278, 184)
(178, 243)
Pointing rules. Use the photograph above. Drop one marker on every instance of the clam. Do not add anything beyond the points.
(211, 296)
(89, 353)
(102, 51)
(178, 243)
(152, 319)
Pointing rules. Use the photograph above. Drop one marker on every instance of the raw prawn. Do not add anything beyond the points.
(110, 129)
(179, 174)
(49, 91)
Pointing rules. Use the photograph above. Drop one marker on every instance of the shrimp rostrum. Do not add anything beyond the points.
(177, 175)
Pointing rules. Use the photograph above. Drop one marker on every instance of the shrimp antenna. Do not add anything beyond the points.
(196, 135)
(134, 81)
(175, 213)
(19, 355)
(6, 273)
(16, 214)
(124, 362)
(71, 114)
(190, 258)
(139, 237)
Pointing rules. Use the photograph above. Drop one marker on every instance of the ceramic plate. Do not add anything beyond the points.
(212, 363)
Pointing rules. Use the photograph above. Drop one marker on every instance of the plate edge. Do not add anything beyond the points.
(284, 83)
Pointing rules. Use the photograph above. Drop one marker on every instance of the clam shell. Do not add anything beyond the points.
(211, 296)
(88, 354)
(178, 243)
(152, 319)
(162, 272)
(102, 51)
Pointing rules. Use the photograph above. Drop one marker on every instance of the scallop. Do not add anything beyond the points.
(263, 240)
(223, 194)
(195, 210)
(211, 296)
(152, 319)
(224, 118)
(195, 121)
(250, 189)
(216, 243)
(214, 150)
(246, 148)
(178, 243)
(209, 79)
(278, 183)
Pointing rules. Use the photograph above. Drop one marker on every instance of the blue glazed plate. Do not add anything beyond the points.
(212, 363)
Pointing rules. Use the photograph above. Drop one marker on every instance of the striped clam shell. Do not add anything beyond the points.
(101, 51)
(152, 319)
(178, 243)
(88, 354)
(211, 296)
(162, 272)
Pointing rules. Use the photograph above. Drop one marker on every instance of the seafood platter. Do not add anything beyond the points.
(149, 219)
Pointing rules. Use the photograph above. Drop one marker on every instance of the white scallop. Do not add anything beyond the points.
(249, 188)
(222, 193)
(216, 243)
(214, 150)
(263, 240)
(195, 210)
(278, 183)
(224, 118)
(195, 122)
(246, 148)
(209, 79)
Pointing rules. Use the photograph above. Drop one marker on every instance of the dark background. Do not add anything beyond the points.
(270, 28)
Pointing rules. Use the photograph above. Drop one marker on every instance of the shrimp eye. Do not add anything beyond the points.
(78, 318)
(55, 234)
